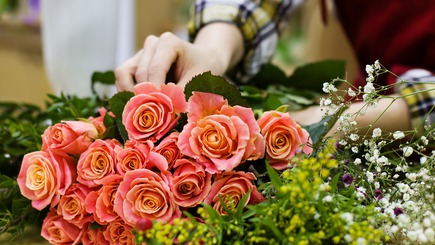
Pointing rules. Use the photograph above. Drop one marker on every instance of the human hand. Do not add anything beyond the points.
(169, 57)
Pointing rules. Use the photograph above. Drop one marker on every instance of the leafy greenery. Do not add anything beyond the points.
(21, 127)
(302, 208)
(206, 82)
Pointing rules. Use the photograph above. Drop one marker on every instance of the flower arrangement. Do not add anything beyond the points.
(216, 164)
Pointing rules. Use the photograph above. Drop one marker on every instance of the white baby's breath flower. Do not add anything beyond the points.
(343, 142)
(377, 132)
(370, 176)
(369, 69)
(426, 222)
(406, 197)
(412, 235)
(396, 176)
(424, 140)
(350, 92)
(411, 176)
(402, 187)
(383, 160)
(354, 137)
(377, 65)
(398, 135)
(361, 241)
(347, 217)
(423, 159)
(430, 234)
(357, 161)
(329, 88)
(394, 228)
(370, 78)
(355, 149)
(348, 238)
(369, 88)
(360, 196)
(327, 198)
(407, 151)
(325, 102)
(377, 185)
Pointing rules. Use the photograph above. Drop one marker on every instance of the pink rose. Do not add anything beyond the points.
(94, 236)
(44, 177)
(231, 187)
(100, 202)
(220, 136)
(57, 230)
(69, 137)
(153, 112)
(169, 149)
(191, 183)
(72, 205)
(135, 155)
(117, 232)
(99, 121)
(144, 194)
(284, 137)
(97, 162)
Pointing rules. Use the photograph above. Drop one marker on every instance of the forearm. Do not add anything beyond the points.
(224, 41)
(388, 114)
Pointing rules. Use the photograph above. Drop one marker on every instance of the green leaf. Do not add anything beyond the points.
(118, 101)
(274, 177)
(107, 78)
(334, 182)
(269, 74)
(318, 130)
(241, 206)
(272, 102)
(206, 82)
(122, 131)
(117, 104)
(313, 75)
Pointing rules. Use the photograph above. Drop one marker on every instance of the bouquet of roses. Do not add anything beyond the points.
(153, 156)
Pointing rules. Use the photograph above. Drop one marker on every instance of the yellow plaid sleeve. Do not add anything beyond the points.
(258, 20)
(418, 89)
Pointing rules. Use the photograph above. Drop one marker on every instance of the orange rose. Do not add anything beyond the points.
(284, 137)
(191, 183)
(72, 205)
(145, 194)
(220, 136)
(59, 231)
(94, 236)
(231, 187)
(69, 137)
(153, 112)
(97, 162)
(44, 177)
(169, 149)
(100, 202)
(135, 155)
(117, 232)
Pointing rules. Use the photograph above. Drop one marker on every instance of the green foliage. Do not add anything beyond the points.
(304, 210)
(206, 82)
(117, 104)
(107, 78)
(312, 76)
(21, 127)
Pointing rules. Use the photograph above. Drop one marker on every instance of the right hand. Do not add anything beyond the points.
(184, 60)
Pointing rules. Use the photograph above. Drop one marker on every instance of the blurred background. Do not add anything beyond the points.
(49, 46)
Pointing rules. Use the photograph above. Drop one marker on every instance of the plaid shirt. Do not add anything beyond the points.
(260, 22)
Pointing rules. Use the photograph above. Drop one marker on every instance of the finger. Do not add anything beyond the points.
(124, 73)
(165, 55)
(144, 62)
